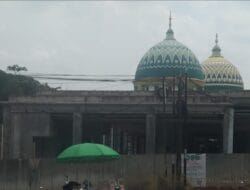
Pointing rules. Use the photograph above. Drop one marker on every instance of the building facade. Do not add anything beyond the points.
(130, 122)
(140, 121)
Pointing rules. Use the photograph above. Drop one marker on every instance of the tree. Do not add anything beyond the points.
(19, 85)
(16, 68)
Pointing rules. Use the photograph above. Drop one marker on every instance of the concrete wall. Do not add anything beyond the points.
(23, 128)
(225, 169)
(222, 169)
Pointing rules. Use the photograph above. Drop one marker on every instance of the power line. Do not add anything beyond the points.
(84, 79)
(78, 75)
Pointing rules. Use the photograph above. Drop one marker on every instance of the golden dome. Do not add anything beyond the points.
(221, 74)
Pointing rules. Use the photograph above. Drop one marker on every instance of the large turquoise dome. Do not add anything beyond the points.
(168, 59)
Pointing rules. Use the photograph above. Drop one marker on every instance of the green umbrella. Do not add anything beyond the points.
(88, 152)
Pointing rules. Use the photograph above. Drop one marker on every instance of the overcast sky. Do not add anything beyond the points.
(104, 37)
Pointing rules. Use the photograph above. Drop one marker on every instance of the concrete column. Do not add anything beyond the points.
(77, 128)
(16, 138)
(150, 133)
(112, 136)
(228, 131)
(6, 142)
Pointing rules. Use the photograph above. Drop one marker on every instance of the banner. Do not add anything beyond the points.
(196, 169)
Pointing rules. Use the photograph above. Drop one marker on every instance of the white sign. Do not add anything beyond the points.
(196, 169)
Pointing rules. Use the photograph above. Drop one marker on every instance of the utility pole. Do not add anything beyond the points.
(179, 142)
(164, 95)
(179, 112)
(181, 108)
(185, 131)
(2, 140)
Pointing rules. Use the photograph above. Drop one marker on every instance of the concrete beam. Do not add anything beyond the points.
(150, 133)
(228, 131)
(77, 128)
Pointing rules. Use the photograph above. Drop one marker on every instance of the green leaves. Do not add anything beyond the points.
(16, 68)
(18, 85)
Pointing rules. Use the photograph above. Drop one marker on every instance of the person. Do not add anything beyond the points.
(86, 184)
(71, 185)
(67, 179)
(117, 185)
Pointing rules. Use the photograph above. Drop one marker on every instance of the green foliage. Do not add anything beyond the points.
(18, 85)
(16, 68)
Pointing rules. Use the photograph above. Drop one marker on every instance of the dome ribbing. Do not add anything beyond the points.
(169, 59)
(221, 74)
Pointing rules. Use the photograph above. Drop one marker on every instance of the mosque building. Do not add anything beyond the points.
(138, 122)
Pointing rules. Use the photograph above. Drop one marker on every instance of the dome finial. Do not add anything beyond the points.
(216, 39)
(216, 49)
(170, 20)
(170, 33)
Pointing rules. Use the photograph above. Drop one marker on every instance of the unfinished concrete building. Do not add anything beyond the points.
(139, 121)
(130, 122)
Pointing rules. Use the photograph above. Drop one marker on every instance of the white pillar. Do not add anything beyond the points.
(228, 131)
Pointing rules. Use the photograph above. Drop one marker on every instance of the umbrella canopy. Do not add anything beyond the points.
(88, 152)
